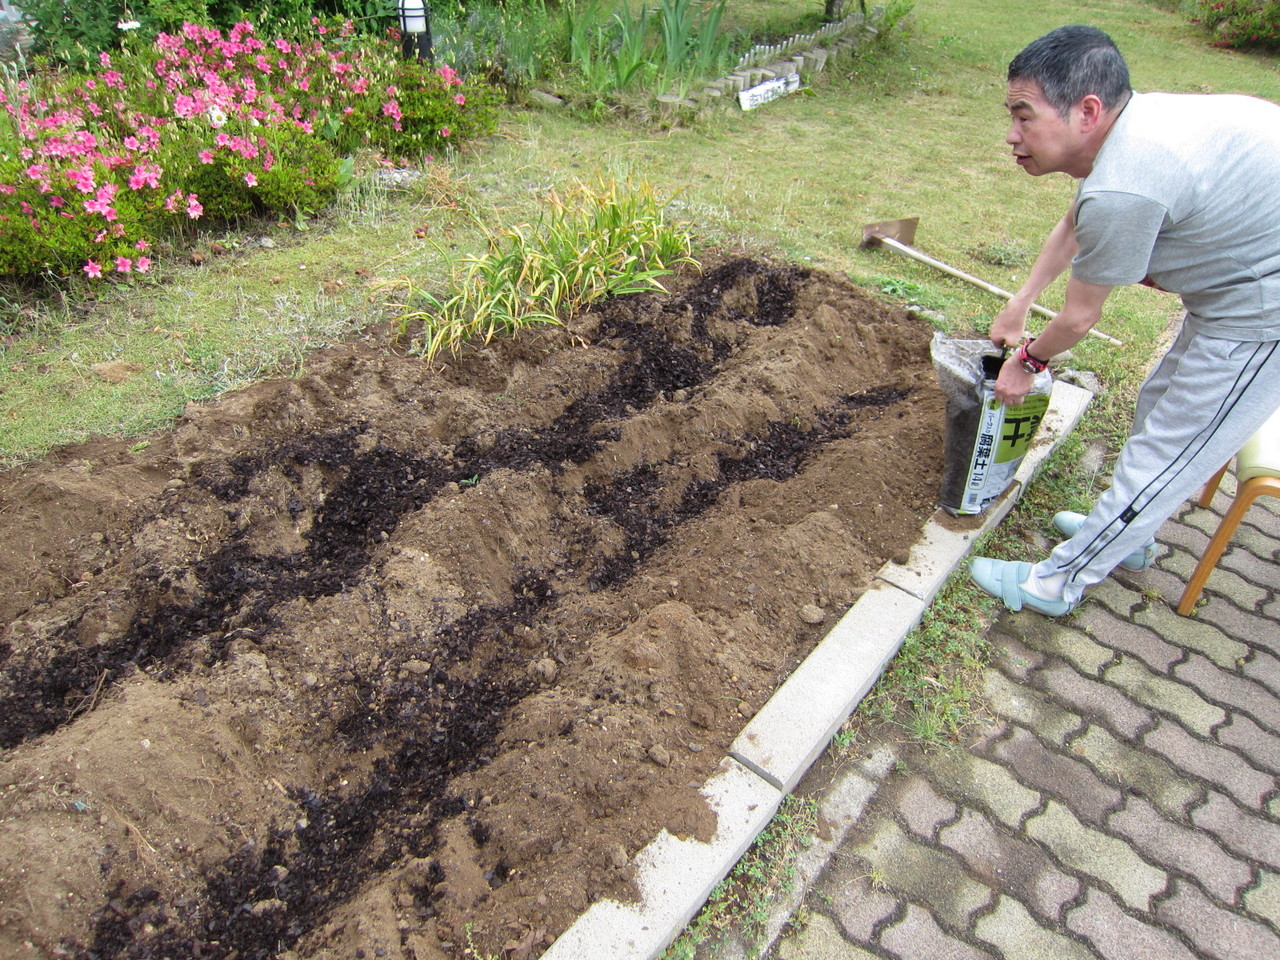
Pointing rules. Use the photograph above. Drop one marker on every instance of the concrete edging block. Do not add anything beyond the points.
(784, 738)
(933, 558)
(675, 876)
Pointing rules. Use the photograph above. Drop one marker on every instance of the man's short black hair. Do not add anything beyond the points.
(1071, 62)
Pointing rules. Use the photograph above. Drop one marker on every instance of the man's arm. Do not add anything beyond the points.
(1082, 309)
(1010, 324)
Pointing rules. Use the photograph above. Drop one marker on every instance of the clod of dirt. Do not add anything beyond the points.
(811, 613)
(384, 660)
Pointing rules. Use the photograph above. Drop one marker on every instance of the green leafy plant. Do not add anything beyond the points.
(630, 59)
(431, 109)
(598, 240)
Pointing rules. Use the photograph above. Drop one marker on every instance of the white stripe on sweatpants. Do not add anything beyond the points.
(1203, 400)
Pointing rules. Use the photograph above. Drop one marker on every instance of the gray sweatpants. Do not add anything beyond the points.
(1202, 401)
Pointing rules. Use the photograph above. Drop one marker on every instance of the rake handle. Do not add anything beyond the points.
(915, 254)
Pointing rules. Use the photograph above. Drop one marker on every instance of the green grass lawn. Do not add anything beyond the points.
(914, 129)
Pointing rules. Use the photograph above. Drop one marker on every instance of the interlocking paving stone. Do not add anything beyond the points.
(1030, 707)
(1168, 696)
(1074, 646)
(1010, 929)
(1235, 692)
(1091, 697)
(1011, 864)
(1215, 930)
(922, 875)
(1248, 565)
(1181, 849)
(984, 784)
(1157, 584)
(1211, 762)
(1015, 658)
(1118, 936)
(1123, 634)
(922, 809)
(919, 936)
(1255, 541)
(820, 940)
(1264, 667)
(1116, 597)
(1241, 832)
(1265, 520)
(1189, 538)
(1262, 747)
(857, 905)
(1222, 581)
(1237, 623)
(1138, 771)
(1271, 614)
(1205, 521)
(1070, 781)
(1107, 859)
(1264, 898)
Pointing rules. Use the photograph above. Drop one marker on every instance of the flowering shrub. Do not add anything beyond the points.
(1242, 23)
(72, 33)
(429, 109)
(201, 124)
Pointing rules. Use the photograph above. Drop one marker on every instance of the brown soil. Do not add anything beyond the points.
(348, 664)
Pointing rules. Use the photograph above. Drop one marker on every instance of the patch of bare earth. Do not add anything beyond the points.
(344, 665)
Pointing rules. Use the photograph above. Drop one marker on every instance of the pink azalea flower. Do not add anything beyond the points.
(206, 156)
(141, 245)
(445, 131)
(459, 99)
(193, 206)
(92, 270)
(143, 264)
(250, 179)
(124, 264)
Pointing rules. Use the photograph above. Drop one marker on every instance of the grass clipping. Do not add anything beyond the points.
(595, 241)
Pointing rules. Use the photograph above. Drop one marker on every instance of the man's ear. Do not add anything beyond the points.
(1091, 111)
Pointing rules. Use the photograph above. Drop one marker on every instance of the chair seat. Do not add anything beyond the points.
(1260, 456)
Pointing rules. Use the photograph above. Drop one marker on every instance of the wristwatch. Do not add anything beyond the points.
(1027, 361)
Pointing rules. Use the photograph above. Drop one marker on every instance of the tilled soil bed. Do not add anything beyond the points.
(393, 661)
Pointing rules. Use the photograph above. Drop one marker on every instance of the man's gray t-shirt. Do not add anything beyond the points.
(1185, 194)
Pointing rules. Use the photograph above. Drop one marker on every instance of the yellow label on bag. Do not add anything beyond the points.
(1004, 437)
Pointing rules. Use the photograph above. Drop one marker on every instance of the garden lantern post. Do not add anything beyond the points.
(415, 29)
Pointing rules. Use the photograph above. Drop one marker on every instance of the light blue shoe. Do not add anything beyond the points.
(1069, 522)
(1003, 580)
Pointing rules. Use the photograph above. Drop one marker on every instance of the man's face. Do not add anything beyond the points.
(1042, 141)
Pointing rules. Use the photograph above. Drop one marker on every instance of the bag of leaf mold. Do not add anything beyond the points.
(985, 439)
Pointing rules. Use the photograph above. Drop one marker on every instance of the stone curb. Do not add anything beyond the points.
(783, 739)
